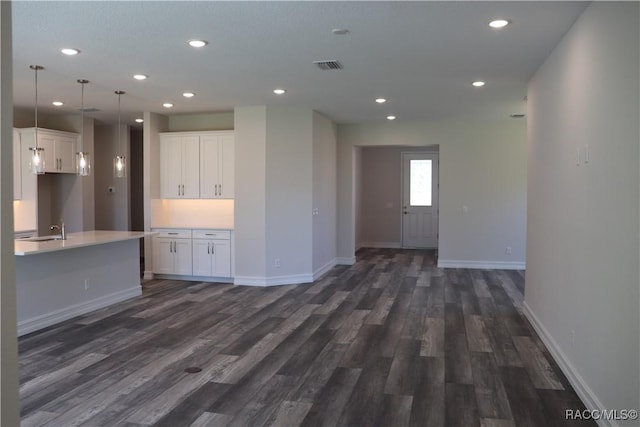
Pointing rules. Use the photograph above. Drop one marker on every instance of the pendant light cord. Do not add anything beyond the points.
(36, 112)
(36, 68)
(82, 117)
(119, 130)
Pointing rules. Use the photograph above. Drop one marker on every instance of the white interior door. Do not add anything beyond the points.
(420, 200)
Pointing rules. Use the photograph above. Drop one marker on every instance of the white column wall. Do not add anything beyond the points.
(250, 124)
(324, 194)
(289, 193)
(9, 404)
(153, 125)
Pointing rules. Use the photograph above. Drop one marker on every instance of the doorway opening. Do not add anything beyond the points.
(379, 200)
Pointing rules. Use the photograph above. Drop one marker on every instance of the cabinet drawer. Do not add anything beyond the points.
(175, 233)
(24, 235)
(212, 234)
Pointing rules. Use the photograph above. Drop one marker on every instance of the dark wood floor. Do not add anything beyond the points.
(390, 341)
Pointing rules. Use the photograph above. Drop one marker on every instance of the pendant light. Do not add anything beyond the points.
(36, 163)
(120, 161)
(83, 159)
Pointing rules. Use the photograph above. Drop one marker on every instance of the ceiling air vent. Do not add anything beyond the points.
(328, 65)
(88, 109)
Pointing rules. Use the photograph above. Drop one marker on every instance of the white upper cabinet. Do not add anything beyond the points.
(59, 148)
(197, 165)
(179, 167)
(216, 166)
(17, 167)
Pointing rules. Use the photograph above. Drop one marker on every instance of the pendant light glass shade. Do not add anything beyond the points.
(83, 159)
(36, 162)
(120, 161)
(120, 167)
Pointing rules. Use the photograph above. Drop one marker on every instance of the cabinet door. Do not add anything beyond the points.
(163, 255)
(17, 167)
(191, 167)
(202, 260)
(226, 168)
(183, 256)
(65, 152)
(47, 142)
(209, 167)
(221, 258)
(170, 167)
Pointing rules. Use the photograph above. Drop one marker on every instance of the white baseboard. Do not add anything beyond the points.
(389, 245)
(293, 279)
(345, 260)
(48, 319)
(324, 269)
(483, 265)
(194, 278)
(148, 275)
(585, 393)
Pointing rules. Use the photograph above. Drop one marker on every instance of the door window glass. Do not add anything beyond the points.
(420, 183)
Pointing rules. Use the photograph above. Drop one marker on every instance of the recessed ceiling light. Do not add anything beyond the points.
(391, 117)
(139, 120)
(340, 31)
(197, 43)
(279, 91)
(188, 94)
(478, 83)
(58, 103)
(69, 51)
(140, 76)
(499, 23)
(381, 100)
(167, 105)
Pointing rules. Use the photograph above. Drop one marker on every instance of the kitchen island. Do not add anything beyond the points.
(60, 279)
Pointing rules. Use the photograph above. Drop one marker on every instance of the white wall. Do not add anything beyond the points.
(9, 404)
(205, 121)
(381, 197)
(250, 191)
(324, 193)
(582, 249)
(78, 209)
(112, 210)
(482, 166)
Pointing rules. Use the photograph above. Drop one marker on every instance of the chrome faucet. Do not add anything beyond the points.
(63, 233)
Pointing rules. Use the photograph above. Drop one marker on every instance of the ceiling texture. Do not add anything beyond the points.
(420, 56)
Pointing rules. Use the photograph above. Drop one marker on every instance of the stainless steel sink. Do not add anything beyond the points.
(43, 238)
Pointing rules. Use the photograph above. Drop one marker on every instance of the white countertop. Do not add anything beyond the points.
(76, 240)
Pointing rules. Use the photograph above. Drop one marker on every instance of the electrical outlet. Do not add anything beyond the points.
(277, 263)
(507, 250)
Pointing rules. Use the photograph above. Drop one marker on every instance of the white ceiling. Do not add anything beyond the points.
(421, 56)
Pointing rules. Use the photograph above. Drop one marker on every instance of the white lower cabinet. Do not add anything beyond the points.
(211, 253)
(199, 252)
(172, 252)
